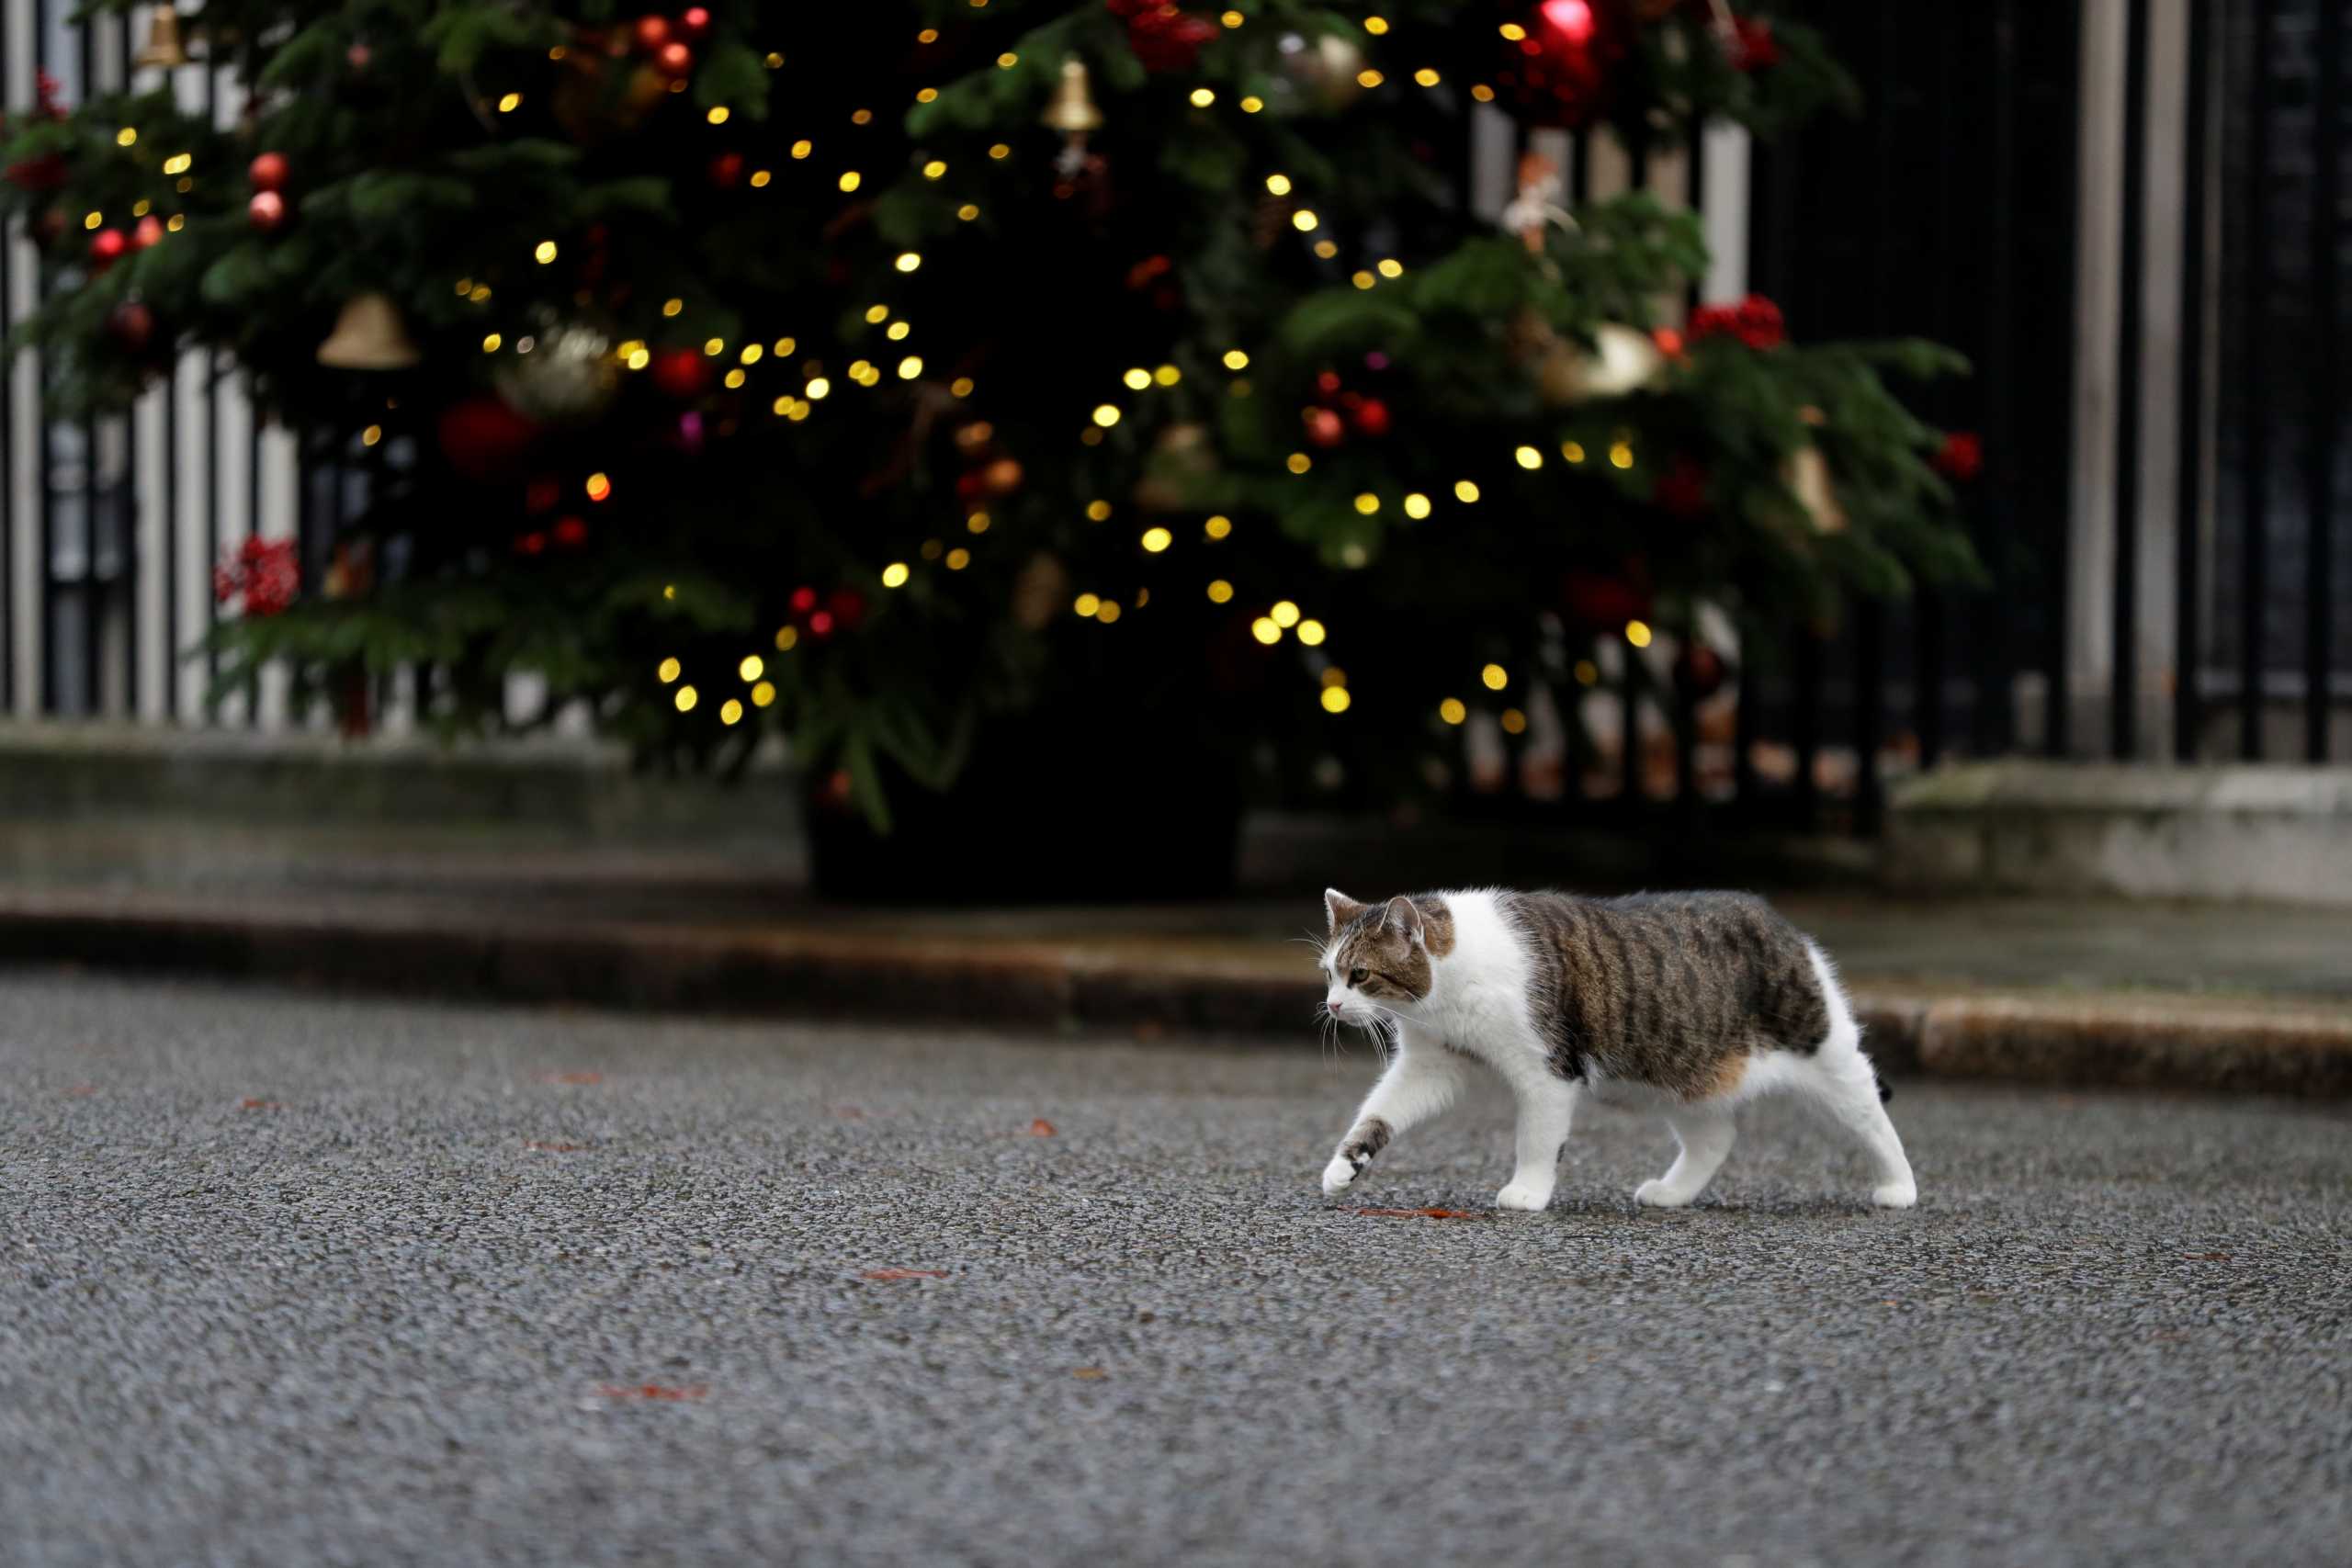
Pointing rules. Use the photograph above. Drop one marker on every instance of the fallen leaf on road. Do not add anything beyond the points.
(653, 1391)
(572, 1078)
(82, 1089)
(553, 1149)
(904, 1274)
(849, 1112)
(1419, 1213)
(1040, 1128)
(260, 1105)
(1091, 1374)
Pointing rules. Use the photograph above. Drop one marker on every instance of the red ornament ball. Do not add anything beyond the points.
(727, 169)
(1323, 427)
(268, 172)
(483, 438)
(267, 209)
(682, 372)
(149, 229)
(652, 32)
(693, 22)
(1961, 456)
(804, 598)
(1561, 57)
(132, 326)
(107, 247)
(1370, 417)
(570, 533)
(674, 59)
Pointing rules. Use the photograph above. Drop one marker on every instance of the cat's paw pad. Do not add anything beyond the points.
(1519, 1195)
(1655, 1194)
(1338, 1175)
(1896, 1195)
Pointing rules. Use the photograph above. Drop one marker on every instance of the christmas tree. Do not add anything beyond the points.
(1095, 378)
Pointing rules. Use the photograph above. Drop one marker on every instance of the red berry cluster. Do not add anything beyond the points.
(1164, 38)
(820, 617)
(1755, 322)
(263, 573)
(1327, 426)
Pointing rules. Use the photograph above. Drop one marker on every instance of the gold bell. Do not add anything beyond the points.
(164, 49)
(368, 336)
(1071, 111)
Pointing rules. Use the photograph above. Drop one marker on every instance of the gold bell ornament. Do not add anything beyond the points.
(368, 336)
(1071, 111)
(164, 49)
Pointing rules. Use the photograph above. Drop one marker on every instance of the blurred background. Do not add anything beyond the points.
(278, 498)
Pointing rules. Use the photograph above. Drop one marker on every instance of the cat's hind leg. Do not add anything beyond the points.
(1707, 1134)
(1840, 1080)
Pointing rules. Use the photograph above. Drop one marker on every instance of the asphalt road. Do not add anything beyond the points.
(294, 1281)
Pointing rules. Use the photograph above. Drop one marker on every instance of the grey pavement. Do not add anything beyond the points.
(296, 1281)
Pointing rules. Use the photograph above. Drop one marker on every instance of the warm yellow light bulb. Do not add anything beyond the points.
(718, 114)
(1335, 699)
(1426, 78)
(1451, 711)
(1367, 504)
(899, 331)
(1106, 415)
(1305, 221)
(895, 575)
(1202, 97)
(1157, 539)
(1097, 510)
(1108, 613)
(599, 487)
(1514, 721)
(786, 637)
(1620, 455)
(1375, 25)
(763, 695)
(1463, 490)
(687, 698)
(1298, 462)
(817, 387)
(1572, 450)
(1253, 104)
(908, 261)
(958, 559)
(909, 367)
(1417, 506)
(935, 168)
(1311, 633)
(1167, 375)
(1086, 604)
(1265, 631)
(1137, 377)
(1529, 458)
(752, 352)
(490, 342)
(1217, 527)
(1362, 279)
(760, 177)
(730, 711)
(1285, 614)
(1369, 78)
(1220, 592)
(510, 103)
(1235, 360)
(1391, 267)
(668, 671)
(1637, 632)
(1494, 677)
(851, 179)
(802, 148)
(752, 667)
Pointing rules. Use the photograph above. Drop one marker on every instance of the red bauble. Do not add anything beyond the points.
(1328, 383)
(1752, 46)
(727, 169)
(1961, 456)
(1323, 427)
(570, 533)
(1682, 490)
(132, 326)
(804, 598)
(267, 209)
(682, 372)
(1559, 71)
(1163, 38)
(652, 32)
(107, 247)
(1755, 322)
(1370, 417)
(484, 439)
(674, 59)
(148, 230)
(693, 22)
(268, 172)
(45, 173)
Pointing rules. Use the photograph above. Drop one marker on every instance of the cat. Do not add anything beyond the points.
(1686, 1003)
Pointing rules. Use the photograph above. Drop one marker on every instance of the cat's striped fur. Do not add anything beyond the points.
(1686, 1003)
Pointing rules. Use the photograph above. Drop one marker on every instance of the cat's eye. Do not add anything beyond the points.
(1356, 977)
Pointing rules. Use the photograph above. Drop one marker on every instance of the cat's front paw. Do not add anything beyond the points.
(1896, 1195)
(1521, 1195)
(1337, 1176)
(1655, 1194)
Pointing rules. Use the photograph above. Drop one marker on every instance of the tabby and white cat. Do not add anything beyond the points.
(1686, 1003)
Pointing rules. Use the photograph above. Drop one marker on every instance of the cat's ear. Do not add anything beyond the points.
(1342, 908)
(1403, 916)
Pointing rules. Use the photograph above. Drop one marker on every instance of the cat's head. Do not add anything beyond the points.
(1377, 958)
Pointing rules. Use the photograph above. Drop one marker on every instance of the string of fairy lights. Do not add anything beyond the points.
(1283, 617)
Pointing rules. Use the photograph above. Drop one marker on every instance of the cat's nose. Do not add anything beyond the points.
(1333, 1004)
